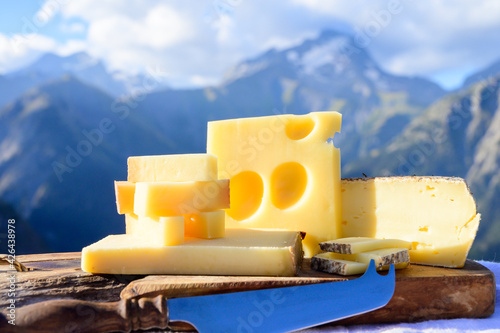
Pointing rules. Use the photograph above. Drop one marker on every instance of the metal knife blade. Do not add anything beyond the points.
(285, 309)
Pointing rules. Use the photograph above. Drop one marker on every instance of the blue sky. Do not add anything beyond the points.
(196, 42)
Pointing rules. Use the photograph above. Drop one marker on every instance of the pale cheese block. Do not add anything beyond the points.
(437, 214)
(284, 172)
(160, 231)
(172, 168)
(350, 245)
(153, 199)
(124, 192)
(206, 225)
(241, 252)
(325, 262)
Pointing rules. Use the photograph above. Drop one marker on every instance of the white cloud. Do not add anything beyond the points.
(19, 50)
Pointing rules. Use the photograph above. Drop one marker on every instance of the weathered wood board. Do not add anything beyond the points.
(422, 292)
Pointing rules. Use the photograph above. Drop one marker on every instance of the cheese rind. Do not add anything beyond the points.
(241, 252)
(124, 192)
(350, 245)
(325, 262)
(172, 168)
(284, 172)
(177, 198)
(436, 214)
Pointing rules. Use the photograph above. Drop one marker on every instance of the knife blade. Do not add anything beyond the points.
(268, 310)
(285, 309)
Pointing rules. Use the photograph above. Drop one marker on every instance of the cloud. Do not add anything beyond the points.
(20, 49)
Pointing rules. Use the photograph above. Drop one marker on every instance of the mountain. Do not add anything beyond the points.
(50, 67)
(458, 135)
(64, 140)
(484, 74)
(62, 145)
(329, 72)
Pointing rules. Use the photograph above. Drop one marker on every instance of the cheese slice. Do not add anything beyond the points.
(438, 215)
(241, 252)
(284, 172)
(172, 168)
(350, 245)
(160, 231)
(177, 198)
(382, 257)
(325, 262)
(207, 225)
(124, 192)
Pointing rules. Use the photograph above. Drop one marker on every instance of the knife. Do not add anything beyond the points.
(269, 310)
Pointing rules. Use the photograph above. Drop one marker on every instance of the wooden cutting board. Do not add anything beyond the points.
(422, 292)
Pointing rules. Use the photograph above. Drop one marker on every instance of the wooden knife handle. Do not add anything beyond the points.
(69, 315)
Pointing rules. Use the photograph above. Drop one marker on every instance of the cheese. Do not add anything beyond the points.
(438, 215)
(172, 168)
(241, 252)
(284, 173)
(160, 231)
(205, 225)
(382, 257)
(124, 192)
(350, 245)
(325, 262)
(200, 225)
(177, 198)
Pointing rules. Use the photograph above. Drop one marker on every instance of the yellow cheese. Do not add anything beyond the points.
(124, 192)
(382, 257)
(159, 231)
(438, 215)
(241, 252)
(350, 245)
(177, 198)
(284, 172)
(172, 168)
(205, 225)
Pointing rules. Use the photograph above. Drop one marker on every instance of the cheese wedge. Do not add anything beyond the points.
(438, 215)
(177, 198)
(324, 262)
(172, 168)
(284, 172)
(159, 231)
(350, 245)
(382, 257)
(241, 252)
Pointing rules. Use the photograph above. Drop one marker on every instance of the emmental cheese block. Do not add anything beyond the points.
(172, 168)
(241, 252)
(437, 215)
(177, 198)
(284, 172)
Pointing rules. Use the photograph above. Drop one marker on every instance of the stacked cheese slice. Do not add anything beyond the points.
(175, 224)
(169, 197)
(348, 256)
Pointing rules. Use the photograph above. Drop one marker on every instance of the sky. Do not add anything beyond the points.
(195, 42)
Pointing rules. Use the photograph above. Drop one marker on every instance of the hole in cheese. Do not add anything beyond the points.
(246, 191)
(288, 184)
(299, 127)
